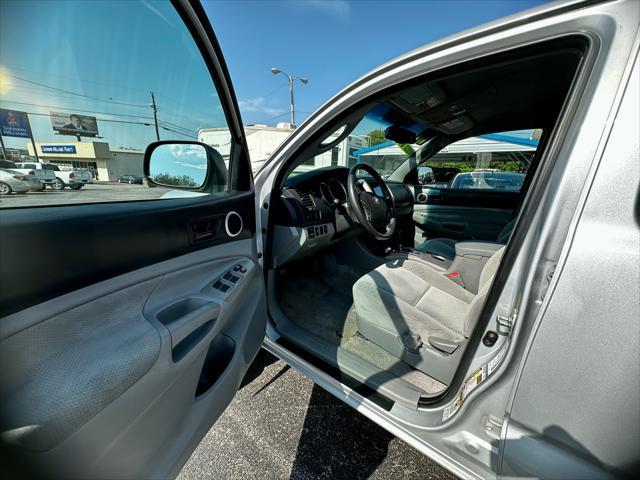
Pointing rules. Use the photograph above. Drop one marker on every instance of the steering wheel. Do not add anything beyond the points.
(376, 214)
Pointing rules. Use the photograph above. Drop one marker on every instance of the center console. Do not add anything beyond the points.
(465, 269)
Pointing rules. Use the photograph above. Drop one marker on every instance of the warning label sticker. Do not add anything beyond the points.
(472, 382)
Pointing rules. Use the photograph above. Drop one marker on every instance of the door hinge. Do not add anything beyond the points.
(493, 426)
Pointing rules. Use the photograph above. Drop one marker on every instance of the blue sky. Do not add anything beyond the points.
(331, 42)
(103, 58)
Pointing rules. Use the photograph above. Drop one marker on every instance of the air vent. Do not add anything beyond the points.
(305, 198)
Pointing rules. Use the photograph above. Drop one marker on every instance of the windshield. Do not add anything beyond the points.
(398, 128)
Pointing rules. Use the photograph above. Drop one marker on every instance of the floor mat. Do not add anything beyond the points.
(319, 300)
(311, 303)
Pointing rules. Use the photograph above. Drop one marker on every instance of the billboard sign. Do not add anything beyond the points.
(14, 123)
(73, 124)
(64, 149)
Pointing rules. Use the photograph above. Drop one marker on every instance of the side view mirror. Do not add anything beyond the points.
(185, 165)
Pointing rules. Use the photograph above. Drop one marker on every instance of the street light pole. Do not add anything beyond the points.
(293, 110)
(291, 79)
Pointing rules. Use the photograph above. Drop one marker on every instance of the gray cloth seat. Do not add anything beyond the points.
(404, 302)
(446, 247)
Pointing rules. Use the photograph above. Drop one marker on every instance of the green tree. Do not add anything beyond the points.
(376, 137)
(177, 180)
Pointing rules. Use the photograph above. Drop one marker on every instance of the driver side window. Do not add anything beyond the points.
(493, 162)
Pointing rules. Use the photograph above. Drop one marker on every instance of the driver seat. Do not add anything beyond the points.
(418, 314)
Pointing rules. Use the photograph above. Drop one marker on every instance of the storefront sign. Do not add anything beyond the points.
(65, 149)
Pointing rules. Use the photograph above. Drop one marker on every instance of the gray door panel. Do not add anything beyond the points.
(457, 222)
(124, 377)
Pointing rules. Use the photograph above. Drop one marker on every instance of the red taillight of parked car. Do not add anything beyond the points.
(71, 175)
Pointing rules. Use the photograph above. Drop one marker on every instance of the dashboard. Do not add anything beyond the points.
(313, 212)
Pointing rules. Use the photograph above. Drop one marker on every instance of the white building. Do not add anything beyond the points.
(263, 140)
(387, 156)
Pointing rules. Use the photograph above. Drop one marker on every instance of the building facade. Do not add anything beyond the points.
(106, 164)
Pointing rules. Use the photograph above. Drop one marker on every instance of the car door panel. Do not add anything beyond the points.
(460, 222)
(100, 375)
(112, 238)
(129, 325)
(463, 214)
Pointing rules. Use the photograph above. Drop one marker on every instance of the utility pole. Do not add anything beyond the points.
(4, 152)
(154, 107)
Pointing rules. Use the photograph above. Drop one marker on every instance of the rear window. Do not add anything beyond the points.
(489, 181)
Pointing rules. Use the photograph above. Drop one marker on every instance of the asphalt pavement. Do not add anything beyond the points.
(282, 426)
(90, 193)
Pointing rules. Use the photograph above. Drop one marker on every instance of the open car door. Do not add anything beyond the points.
(126, 327)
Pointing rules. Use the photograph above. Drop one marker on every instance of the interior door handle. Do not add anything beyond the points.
(186, 316)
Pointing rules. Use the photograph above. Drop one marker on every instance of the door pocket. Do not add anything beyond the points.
(218, 359)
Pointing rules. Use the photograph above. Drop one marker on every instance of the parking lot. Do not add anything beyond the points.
(90, 193)
(283, 426)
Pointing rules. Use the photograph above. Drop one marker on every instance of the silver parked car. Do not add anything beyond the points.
(17, 182)
(504, 345)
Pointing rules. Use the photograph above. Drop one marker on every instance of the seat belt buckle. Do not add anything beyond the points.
(456, 277)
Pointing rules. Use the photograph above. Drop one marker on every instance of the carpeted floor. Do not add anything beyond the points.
(317, 297)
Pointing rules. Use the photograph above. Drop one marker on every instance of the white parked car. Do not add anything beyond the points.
(62, 177)
(505, 346)
(46, 177)
(13, 181)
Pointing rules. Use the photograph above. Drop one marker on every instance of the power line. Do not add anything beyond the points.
(110, 100)
(101, 119)
(74, 109)
(178, 129)
(180, 133)
(84, 80)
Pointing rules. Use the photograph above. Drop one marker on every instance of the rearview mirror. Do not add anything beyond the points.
(400, 134)
(185, 165)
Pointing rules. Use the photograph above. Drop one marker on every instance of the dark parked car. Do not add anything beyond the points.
(130, 179)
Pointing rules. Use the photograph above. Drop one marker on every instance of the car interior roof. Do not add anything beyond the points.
(517, 94)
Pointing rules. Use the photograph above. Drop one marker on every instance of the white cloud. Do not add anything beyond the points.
(259, 104)
(337, 8)
(201, 166)
(156, 12)
(188, 152)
